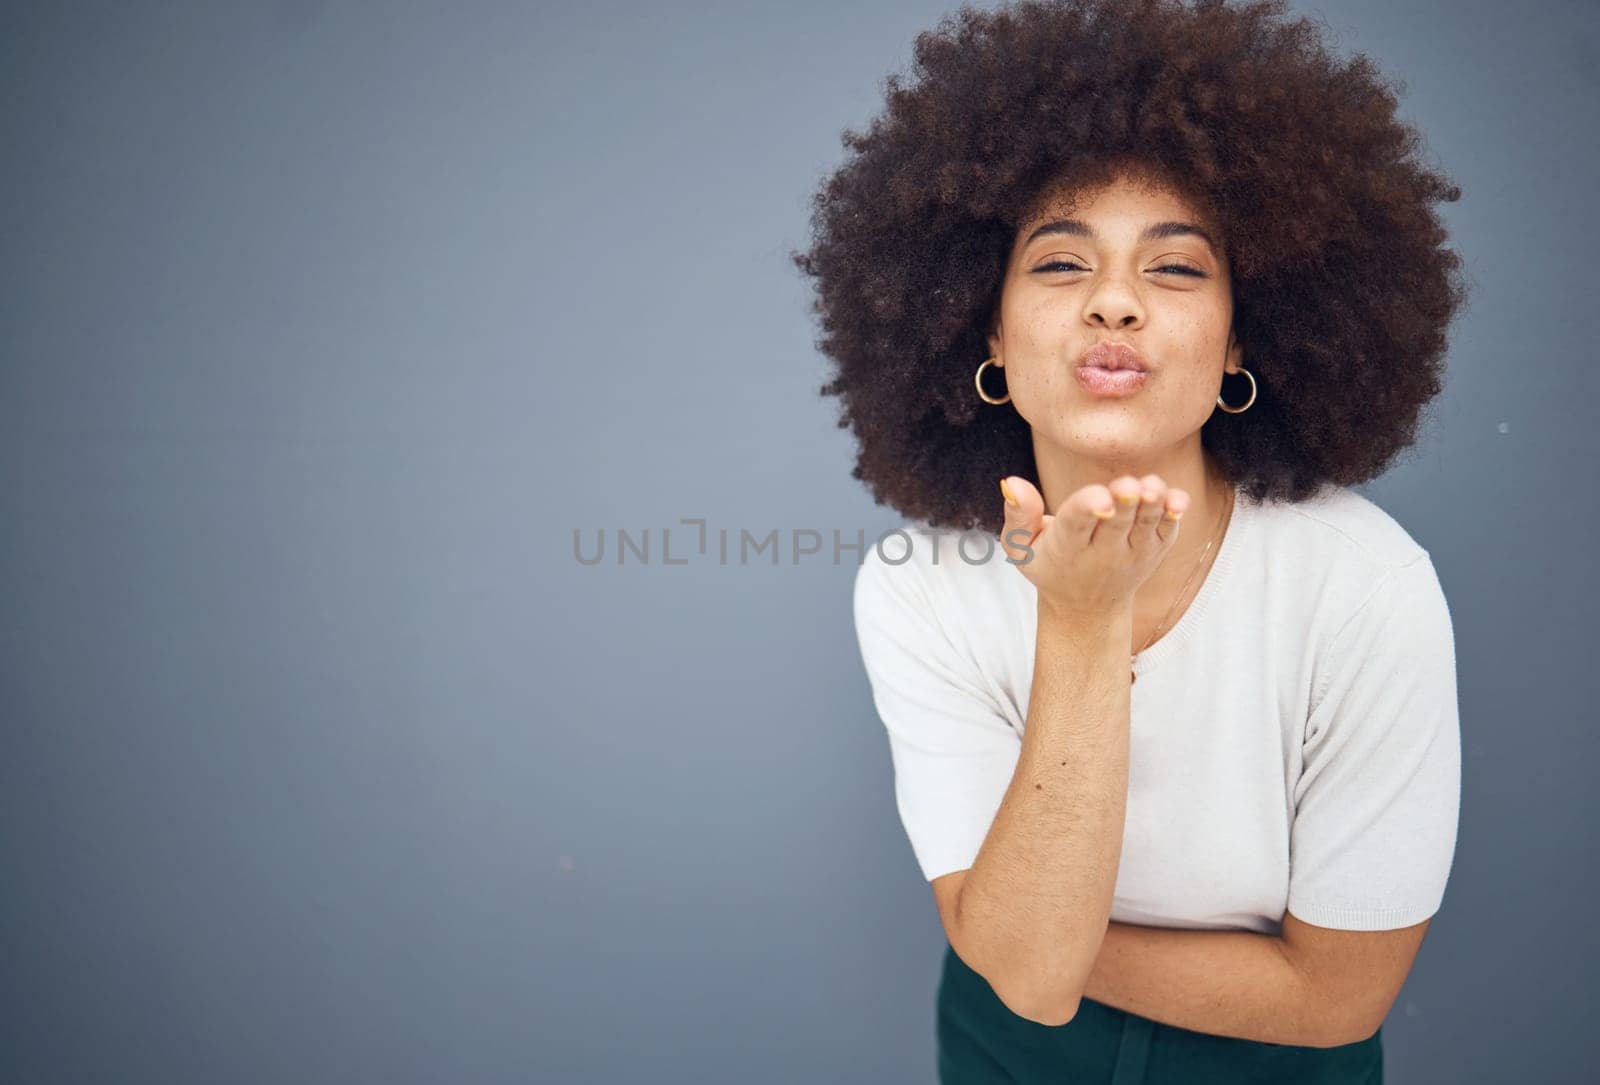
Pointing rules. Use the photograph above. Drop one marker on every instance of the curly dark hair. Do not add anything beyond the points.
(1342, 290)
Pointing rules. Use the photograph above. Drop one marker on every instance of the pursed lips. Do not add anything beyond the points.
(1108, 354)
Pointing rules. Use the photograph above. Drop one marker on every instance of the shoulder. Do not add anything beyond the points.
(1345, 564)
(944, 577)
(1340, 526)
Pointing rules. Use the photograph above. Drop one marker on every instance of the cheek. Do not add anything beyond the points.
(1037, 378)
(1204, 325)
(1198, 394)
(1037, 326)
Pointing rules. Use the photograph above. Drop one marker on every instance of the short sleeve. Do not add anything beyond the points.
(953, 750)
(1377, 801)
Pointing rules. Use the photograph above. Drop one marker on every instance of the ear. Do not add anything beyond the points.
(994, 341)
(1235, 358)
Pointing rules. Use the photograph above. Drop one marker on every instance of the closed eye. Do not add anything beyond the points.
(1068, 265)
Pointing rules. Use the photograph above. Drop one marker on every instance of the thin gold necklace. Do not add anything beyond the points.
(1225, 514)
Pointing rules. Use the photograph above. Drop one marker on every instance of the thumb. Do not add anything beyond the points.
(1024, 515)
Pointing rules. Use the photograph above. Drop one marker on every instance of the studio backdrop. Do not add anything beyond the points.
(426, 552)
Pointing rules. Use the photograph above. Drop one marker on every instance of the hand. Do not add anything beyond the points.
(1102, 542)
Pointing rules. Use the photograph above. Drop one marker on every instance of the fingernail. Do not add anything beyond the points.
(1005, 493)
(1174, 515)
(1105, 514)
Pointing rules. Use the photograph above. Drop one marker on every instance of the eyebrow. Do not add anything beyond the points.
(1153, 232)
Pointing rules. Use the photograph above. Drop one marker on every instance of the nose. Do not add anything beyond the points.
(1113, 304)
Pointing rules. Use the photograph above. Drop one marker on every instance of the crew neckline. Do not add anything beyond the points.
(1216, 577)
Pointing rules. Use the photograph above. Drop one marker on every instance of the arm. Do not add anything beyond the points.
(1230, 983)
(1311, 986)
(1371, 846)
(1032, 911)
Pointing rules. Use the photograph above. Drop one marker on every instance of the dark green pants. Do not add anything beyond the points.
(981, 1040)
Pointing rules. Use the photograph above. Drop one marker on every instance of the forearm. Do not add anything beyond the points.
(1035, 904)
(1229, 983)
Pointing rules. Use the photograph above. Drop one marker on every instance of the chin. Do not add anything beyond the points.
(1099, 432)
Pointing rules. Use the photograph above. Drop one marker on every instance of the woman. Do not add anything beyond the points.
(1150, 265)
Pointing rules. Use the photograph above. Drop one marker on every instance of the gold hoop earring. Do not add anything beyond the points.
(1252, 399)
(978, 380)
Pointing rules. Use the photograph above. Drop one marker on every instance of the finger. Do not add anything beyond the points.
(1083, 512)
(1024, 512)
(1148, 513)
(1177, 503)
(1044, 528)
(1125, 501)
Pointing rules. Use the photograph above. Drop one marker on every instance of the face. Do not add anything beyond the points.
(1110, 266)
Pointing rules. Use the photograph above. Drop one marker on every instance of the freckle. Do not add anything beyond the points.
(1063, 762)
(1038, 787)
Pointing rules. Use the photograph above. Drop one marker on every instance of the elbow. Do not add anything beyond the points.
(1030, 997)
(1052, 1015)
(1041, 1010)
(1358, 1033)
(1051, 998)
(1029, 1000)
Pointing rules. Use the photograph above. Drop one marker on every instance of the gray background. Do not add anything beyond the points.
(322, 329)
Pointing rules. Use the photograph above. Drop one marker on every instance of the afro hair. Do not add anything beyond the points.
(1342, 289)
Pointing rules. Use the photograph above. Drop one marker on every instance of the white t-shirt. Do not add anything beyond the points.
(1294, 738)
